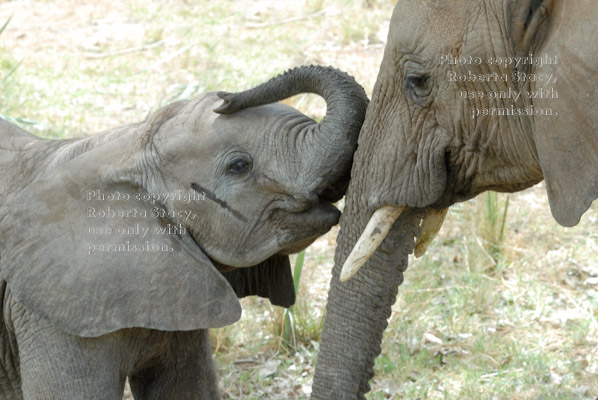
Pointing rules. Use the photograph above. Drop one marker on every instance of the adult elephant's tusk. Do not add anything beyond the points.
(428, 231)
(373, 234)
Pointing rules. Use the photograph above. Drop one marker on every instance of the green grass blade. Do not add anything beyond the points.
(9, 73)
(504, 220)
(5, 24)
(289, 338)
(298, 269)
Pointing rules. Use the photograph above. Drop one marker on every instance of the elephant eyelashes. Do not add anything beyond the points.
(238, 166)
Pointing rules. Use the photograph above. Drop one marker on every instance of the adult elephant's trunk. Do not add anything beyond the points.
(357, 310)
(325, 147)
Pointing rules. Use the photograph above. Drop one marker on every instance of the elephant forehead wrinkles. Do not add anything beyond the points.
(438, 19)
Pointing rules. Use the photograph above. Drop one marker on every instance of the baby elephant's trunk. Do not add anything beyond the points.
(334, 140)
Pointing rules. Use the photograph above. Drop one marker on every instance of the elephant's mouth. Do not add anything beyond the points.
(298, 227)
(302, 227)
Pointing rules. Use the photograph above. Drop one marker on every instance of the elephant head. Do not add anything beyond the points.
(139, 226)
(470, 96)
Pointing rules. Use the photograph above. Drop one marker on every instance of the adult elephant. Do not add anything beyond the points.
(434, 135)
(120, 249)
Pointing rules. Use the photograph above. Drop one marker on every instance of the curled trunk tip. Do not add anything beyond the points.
(334, 139)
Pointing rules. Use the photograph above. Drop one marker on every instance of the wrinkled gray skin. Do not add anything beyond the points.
(420, 147)
(79, 318)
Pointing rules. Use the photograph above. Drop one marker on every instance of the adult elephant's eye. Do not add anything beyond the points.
(419, 85)
(239, 166)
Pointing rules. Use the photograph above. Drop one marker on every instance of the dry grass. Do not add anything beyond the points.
(466, 325)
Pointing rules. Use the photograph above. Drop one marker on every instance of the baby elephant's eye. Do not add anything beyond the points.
(238, 166)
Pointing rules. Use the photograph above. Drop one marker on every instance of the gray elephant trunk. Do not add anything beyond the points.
(357, 310)
(334, 140)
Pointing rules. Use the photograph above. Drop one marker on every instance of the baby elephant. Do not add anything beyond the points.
(119, 250)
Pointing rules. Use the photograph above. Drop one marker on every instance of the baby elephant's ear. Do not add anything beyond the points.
(271, 279)
(93, 265)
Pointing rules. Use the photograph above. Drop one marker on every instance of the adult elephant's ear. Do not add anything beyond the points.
(566, 120)
(84, 248)
(529, 24)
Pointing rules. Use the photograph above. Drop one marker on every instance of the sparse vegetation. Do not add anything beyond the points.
(298, 325)
(495, 219)
(499, 308)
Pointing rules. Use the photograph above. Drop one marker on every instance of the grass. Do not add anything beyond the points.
(494, 224)
(298, 325)
(8, 67)
(465, 327)
(504, 305)
(288, 322)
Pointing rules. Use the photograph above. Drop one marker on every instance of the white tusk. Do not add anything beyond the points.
(428, 231)
(373, 234)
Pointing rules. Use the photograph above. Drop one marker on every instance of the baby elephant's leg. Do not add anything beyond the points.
(57, 365)
(185, 371)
